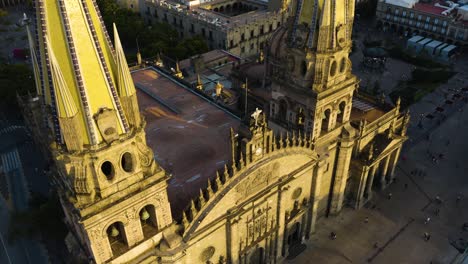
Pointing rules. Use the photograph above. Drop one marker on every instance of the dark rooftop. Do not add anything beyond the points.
(188, 134)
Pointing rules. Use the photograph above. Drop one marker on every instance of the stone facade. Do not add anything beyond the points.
(412, 21)
(307, 160)
(240, 27)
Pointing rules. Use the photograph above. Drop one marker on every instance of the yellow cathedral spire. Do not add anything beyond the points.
(78, 66)
(125, 84)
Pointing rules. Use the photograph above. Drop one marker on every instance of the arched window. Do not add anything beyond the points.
(341, 111)
(148, 221)
(117, 238)
(333, 68)
(326, 120)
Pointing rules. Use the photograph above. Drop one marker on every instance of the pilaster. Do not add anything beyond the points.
(396, 156)
(370, 181)
(384, 172)
(341, 176)
(315, 194)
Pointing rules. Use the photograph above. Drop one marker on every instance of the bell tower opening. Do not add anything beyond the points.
(326, 120)
(117, 238)
(148, 221)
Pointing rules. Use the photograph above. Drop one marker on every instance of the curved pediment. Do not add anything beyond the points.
(248, 182)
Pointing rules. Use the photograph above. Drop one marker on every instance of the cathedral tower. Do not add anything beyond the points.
(312, 83)
(310, 55)
(112, 191)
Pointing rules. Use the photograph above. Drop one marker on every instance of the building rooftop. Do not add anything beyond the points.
(430, 8)
(188, 134)
(222, 21)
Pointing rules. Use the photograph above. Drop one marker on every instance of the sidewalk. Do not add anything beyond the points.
(395, 228)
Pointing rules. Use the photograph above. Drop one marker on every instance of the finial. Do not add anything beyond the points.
(199, 83)
(193, 209)
(177, 72)
(185, 221)
(159, 61)
(219, 183)
(287, 142)
(293, 139)
(210, 189)
(218, 89)
(371, 152)
(241, 161)
(201, 199)
(226, 172)
(398, 102)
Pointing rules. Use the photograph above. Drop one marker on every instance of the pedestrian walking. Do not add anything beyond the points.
(438, 200)
(458, 198)
(427, 220)
(366, 220)
(427, 236)
(389, 196)
(406, 186)
(437, 211)
(333, 235)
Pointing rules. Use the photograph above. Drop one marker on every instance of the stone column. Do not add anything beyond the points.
(341, 176)
(360, 187)
(133, 231)
(383, 176)
(396, 156)
(100, 246)
(315, 194)
(370, 181)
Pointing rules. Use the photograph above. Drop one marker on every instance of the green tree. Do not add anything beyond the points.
(43, 218)
(14, 78)
(152, 39)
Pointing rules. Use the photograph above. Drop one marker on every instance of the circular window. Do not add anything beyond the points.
(108, 170)
(127, 162)
(207, 254)
(297, 192)
(333, 68)
(343, 65)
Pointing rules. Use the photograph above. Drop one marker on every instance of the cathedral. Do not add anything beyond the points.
(148, 171)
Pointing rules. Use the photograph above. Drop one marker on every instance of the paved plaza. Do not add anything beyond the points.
(394, 230)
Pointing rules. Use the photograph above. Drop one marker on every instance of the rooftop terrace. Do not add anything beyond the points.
(188, 134)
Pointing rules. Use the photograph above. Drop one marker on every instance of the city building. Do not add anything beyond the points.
(130, 4)
(162, 174)
(441, 20)
(7, 3)
(240, 27)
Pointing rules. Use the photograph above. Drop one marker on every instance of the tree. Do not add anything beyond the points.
(43, 218)
(14, 78)
(152, 39)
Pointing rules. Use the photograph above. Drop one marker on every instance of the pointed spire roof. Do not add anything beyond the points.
(85, 65)
(124, 79)
(65, 105)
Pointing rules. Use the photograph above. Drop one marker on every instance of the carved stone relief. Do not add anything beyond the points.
(258, 179)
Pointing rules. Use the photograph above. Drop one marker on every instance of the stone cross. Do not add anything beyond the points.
(256, 114)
